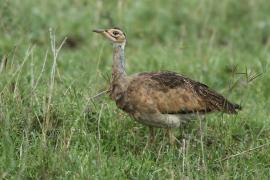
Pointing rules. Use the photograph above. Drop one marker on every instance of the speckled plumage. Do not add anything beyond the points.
(159, 99)
(152, 97)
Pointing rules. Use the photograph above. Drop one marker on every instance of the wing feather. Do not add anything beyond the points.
(171, 93)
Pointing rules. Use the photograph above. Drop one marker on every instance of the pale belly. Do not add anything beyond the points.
(162, 120)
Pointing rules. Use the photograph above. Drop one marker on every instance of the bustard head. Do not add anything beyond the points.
(115, 35)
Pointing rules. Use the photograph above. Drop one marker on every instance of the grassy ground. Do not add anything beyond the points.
(49, 127)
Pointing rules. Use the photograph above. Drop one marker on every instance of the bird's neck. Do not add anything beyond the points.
(118, 67)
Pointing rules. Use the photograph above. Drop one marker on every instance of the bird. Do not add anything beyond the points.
(162, 99)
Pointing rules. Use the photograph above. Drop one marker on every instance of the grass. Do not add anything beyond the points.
(50, 127)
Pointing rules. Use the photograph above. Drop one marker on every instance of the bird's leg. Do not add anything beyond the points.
(151, 137)
(172, 138)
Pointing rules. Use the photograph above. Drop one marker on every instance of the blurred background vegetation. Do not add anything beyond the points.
(50, 127)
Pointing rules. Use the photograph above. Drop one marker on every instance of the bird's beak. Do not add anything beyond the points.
(99, 30)
(105, 33)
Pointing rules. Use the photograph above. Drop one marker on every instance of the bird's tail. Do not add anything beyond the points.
(231, 107)
(237, 106)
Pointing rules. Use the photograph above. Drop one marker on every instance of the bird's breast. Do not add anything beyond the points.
(119, 95)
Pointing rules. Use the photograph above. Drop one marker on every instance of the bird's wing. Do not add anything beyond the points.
(171, 93)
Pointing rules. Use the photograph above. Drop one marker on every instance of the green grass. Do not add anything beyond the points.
(49, 127)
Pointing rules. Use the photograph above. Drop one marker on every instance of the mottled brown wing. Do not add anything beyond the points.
(171, 93)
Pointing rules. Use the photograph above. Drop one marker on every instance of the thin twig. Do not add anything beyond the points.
(18, 70)
(42, 71)
(99, 94)
(3, 63)
(202, 145)
(99, 135)
(55, 52)
(246, 151)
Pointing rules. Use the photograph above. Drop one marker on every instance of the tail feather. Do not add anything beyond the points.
(215, 101)
(218, 102)
(237, 106)
(231, 107)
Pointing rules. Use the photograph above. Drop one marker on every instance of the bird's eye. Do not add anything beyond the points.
(115, 33)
